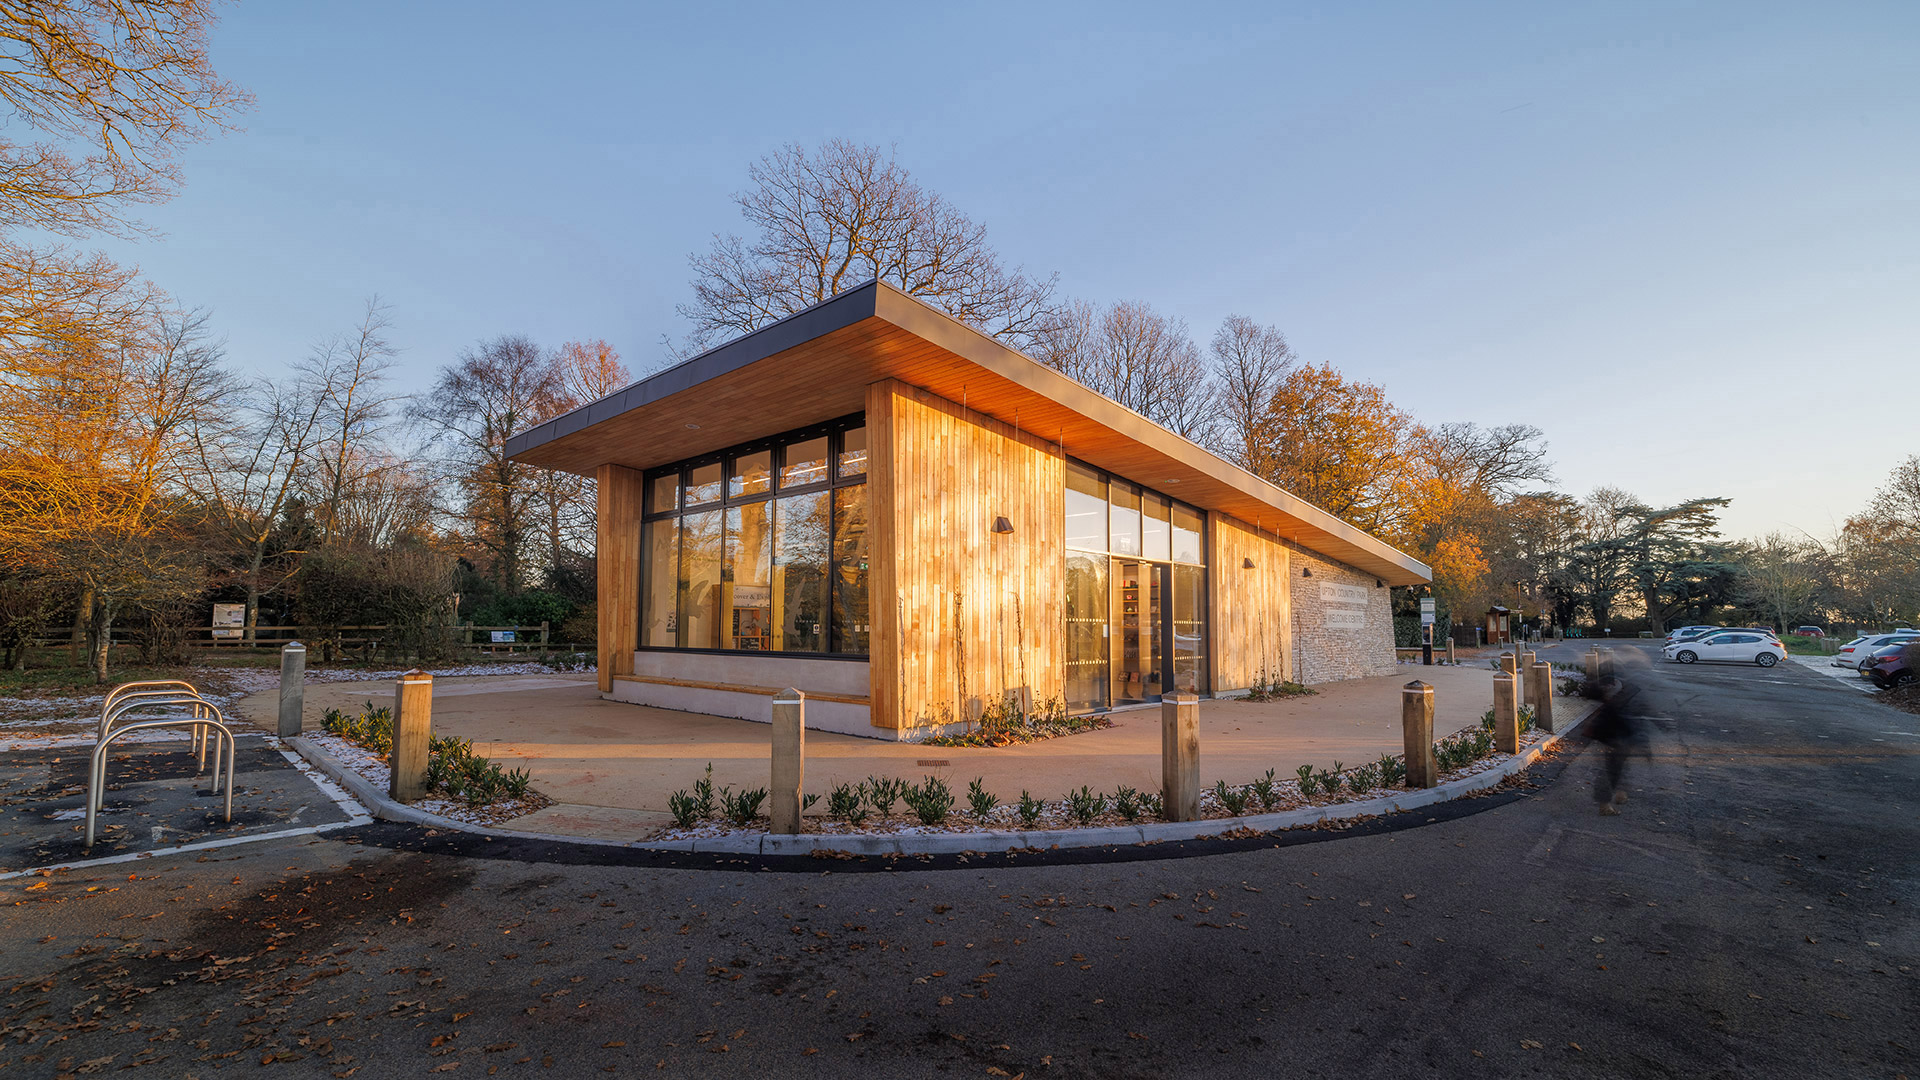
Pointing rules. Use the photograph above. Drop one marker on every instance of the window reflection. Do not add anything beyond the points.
(800, 542)
(805, 463)
(663, 495)
(748, 588)
(853, 452)
(704, 486)
(660, 553)
(850, 538)
(1123, 506)
(1086, 509)
(751, 475)
(727, 564)
(700, 562)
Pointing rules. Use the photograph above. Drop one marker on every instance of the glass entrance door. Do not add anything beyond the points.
(1138, 660)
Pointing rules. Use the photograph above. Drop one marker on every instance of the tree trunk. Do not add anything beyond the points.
(82, 623)
(102, 642)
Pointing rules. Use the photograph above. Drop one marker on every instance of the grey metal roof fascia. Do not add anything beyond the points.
(819, 320)
(926, 321)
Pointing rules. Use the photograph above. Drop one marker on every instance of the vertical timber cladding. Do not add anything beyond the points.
(617, 535)
(961, 614)
(1250, 608)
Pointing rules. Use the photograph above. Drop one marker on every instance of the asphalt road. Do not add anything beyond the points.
(1749, 914)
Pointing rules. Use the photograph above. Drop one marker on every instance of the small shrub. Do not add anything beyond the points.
(979, 799)
(1085, 805)
(1233, 799)
(883, 792)
(684, 808)
(517, 782)
(1329, 781)
(848, 802)
(1392, 770)
(703, 792)
(1486, 721)
(931, 802)
(1307, 786)
(1029, 809)
(1152, 805)
(1364, 778)
(744, 807)
(1267, 791)
(807, 801)
(1126, 803)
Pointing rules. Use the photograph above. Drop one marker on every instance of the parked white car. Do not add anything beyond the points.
(1734, 646)
(1862, 647)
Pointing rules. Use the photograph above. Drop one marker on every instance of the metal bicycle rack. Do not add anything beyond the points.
(121, 714)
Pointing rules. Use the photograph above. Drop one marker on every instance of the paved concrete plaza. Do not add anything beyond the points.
(610, 766)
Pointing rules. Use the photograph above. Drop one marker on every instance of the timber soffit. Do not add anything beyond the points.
(1073, 413)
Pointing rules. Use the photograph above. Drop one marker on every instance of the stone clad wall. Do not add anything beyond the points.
(1346, 635)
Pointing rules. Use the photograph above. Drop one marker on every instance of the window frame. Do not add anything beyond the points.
(775, 446)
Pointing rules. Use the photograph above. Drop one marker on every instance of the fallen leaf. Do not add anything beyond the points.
(1529, 1044)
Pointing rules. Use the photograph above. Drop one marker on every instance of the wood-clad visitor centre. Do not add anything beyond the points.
(909, 521)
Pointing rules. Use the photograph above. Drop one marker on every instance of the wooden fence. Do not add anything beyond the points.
(356, 641)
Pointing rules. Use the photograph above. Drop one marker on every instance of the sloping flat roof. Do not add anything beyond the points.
(817, 364)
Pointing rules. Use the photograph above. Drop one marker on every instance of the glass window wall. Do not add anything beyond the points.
(1136, 584)
(729, 562)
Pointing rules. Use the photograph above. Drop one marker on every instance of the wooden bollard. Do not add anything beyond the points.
(1416, 733)
(1593, 665)
(1509, 663)
(1542, 695)
(293, 688)
(1506, 714)
(412, 735)
(789, 760)
(1524, 669)
(1450, 651)
(1180, 756)
(1606, 661)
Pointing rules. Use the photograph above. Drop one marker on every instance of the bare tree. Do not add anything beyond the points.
(346, 375)
(116, 86)
(1250, 361)
(248, 461)
(495, 389)
(583, 372)
(840, 216)
(1139, 358)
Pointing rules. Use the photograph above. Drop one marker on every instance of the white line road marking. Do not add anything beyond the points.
(205, 845)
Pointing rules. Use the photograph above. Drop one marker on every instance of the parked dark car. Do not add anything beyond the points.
(1895, 665)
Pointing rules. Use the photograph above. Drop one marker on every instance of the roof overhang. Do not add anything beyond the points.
(817, 364)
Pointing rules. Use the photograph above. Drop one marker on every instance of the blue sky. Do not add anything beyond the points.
(1684, 239)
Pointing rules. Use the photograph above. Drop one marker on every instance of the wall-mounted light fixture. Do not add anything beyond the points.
(1306, 571)
(1247, 563)
(1002, 525)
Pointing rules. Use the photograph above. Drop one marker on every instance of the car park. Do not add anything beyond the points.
(1893, 666)
(1729, 646)
(1860, 648)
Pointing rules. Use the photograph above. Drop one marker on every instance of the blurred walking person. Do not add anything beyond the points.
(1615, 728)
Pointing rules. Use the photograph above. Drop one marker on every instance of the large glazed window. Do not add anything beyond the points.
(762, 548)
(850, 549)
(1136, 593)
